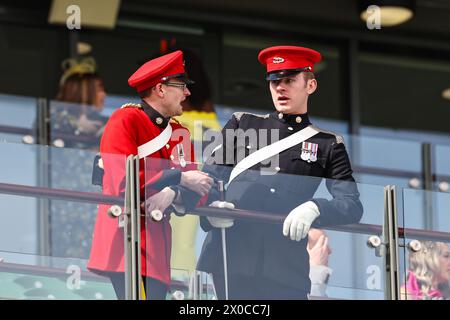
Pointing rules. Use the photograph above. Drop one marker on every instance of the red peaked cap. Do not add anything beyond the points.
(282, 58)
(159, 70)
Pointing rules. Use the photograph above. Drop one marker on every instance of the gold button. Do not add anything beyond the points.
(290, 128)
(280, 116)
(172, 157)
(167, 146)
(159, 120)
(298, 119)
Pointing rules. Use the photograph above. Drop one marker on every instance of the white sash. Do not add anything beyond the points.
(271, 150)
(155, 144)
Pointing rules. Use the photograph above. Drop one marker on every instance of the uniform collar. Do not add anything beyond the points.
(294, 120)
(154, 115)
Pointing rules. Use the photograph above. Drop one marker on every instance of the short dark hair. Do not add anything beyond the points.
(145, 93)
(308, 75)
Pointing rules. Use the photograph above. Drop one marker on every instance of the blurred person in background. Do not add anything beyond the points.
(76, 123)
(80, 101)
(319, 252)
(198, 109)
(428, 274)
(198, 116)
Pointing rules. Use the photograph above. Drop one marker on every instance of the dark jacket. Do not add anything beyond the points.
(260, 249)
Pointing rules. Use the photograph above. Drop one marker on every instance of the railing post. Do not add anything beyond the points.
(130, 221)
(137, 230)
(390, 237)
(43, 168)
(427, 178)
(42, 121)
(125, 224)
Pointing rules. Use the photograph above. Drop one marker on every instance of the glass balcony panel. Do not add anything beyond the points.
(51, 211)
(17, 118)
(35, 277)
(424, 256)
(256, 250)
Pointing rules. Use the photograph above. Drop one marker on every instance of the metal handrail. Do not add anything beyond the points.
(386, 172)
(361, 228)
(54, 134)
(59, 194)
(277, 218)
(16, 130)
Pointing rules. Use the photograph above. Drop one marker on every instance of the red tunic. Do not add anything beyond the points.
(127, 129)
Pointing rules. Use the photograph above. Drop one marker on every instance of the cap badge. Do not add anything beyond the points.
(277, 60)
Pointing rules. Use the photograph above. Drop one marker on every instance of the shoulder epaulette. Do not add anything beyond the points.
(238, 115)
(339, 138)
(131, 105)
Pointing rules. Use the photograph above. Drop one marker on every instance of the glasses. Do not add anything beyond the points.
(176, 84)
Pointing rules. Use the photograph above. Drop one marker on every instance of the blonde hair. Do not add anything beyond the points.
(78, 67)
(426, 267)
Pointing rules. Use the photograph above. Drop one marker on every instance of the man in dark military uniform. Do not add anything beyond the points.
(267, 261)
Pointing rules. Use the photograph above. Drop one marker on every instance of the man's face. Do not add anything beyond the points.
(290, 94)
(175, 93)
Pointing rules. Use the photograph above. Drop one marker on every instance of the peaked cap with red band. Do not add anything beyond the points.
(285, 61)
(159, 70)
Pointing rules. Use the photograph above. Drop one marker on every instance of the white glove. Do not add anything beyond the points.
(221, 222)
(299, 220)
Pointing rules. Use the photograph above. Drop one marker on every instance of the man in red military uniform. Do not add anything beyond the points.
(146, 129)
